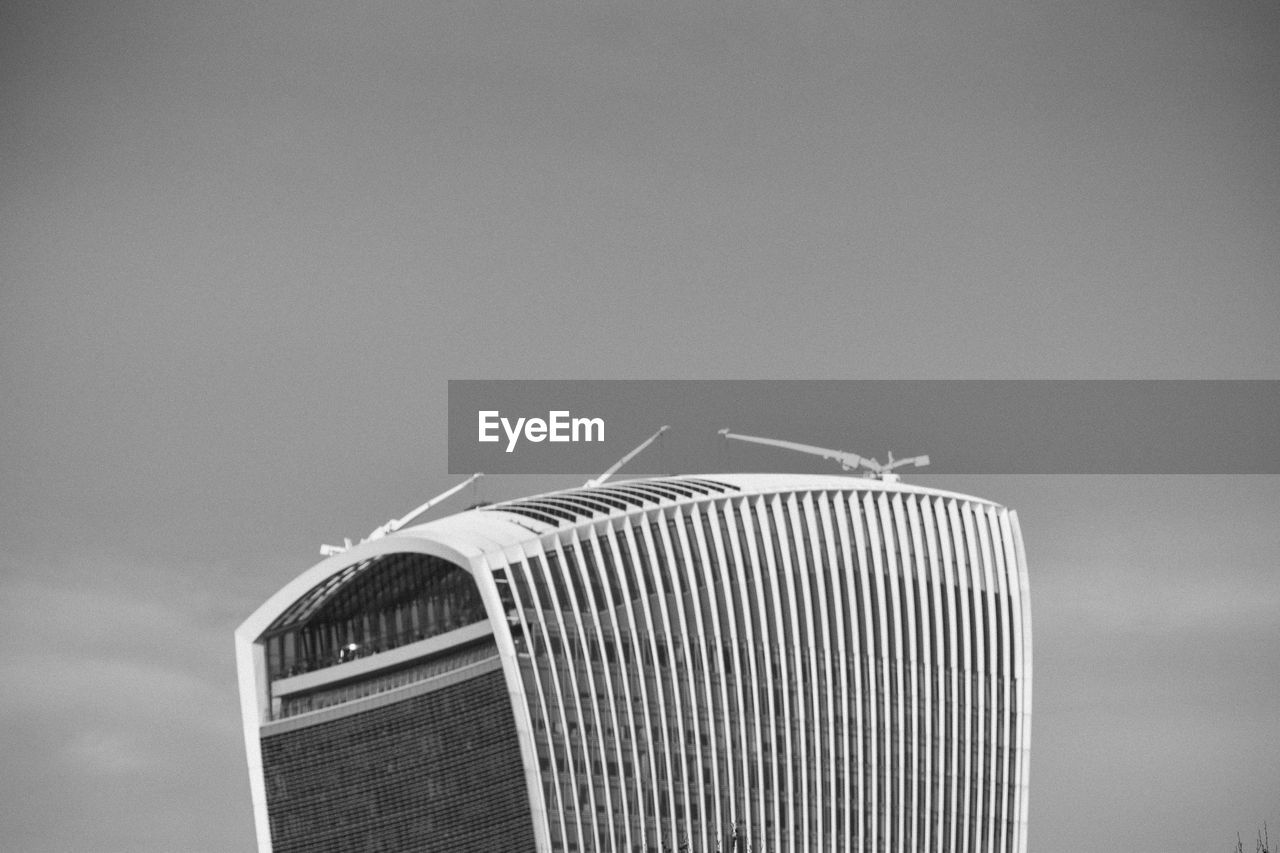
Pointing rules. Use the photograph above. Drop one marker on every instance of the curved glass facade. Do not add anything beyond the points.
(818, 670)
(370, 607)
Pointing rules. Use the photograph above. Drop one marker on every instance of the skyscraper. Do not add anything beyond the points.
(766, 662)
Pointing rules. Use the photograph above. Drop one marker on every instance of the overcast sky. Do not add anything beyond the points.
(243, 247)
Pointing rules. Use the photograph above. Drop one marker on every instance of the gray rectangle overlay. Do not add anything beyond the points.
(965, 426)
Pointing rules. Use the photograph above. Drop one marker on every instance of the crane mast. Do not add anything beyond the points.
(397, 523)
(613, 469)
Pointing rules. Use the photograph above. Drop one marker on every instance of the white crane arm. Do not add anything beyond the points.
(613, 469)
(395, 524)
(848, 461)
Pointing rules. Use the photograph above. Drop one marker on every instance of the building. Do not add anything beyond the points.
(753, 662)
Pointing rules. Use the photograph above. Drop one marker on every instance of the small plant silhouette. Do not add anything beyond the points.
(1263, 845)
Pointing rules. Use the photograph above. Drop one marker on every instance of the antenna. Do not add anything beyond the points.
(397, 523)
(613, 469)
(848, 461)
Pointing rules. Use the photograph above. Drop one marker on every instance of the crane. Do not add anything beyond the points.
(397, 523)
(613, 469)
(848, 461)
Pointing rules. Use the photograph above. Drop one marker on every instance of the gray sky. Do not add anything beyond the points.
(243, 247)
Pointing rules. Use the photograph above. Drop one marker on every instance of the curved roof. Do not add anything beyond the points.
(462, 538)
(550, 511)
(575, 505)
